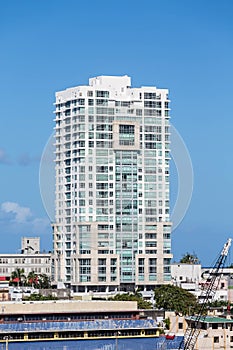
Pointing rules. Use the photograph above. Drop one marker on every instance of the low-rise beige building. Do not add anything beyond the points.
(216, 332)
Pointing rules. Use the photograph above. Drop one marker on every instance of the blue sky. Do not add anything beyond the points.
(185, 46)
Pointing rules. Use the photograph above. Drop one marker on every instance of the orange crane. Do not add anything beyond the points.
(192, 332)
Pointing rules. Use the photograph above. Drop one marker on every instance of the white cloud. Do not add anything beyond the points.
(17, 221)
(22, 214)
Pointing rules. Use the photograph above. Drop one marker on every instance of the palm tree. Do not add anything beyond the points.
(44, 281)
(17, 277)
(190, 259)
(32, 279)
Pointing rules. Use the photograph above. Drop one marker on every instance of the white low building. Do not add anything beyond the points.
(193, 277)
(30, 259)
(186, 276)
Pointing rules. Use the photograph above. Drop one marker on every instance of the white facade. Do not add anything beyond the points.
(39, 263)
(112, 228)
(30, 245)
(30, 259)
(186, 276)
(193, 278)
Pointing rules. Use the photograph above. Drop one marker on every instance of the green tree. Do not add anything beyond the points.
(167, 322)
(218, 303)
(18, 277)
(189, 259)
(32, 279)
(176, 299)
(142, 304)
(44, 281)
(38, 297)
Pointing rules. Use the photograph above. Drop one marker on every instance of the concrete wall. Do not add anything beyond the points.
(57, 306)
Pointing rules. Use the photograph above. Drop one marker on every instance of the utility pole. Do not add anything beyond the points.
(6, 338)
(116, 343)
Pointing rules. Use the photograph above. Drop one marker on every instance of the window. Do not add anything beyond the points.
(102, 278)
(101, 102)
(126, 135)
(150, 104)
(102, 93)
(216, 339)
(102, 270)
(138, 112)
(149, 244)
(166, 269)
(150, 235)
(103, 227)
(152, 261)
(84, 229)
(151, 251)
(149, 95)
(167, 261)
(101, 262)
(126, 129)
(81, 101)
(113, 261)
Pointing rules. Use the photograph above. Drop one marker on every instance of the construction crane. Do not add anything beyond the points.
(193, 330)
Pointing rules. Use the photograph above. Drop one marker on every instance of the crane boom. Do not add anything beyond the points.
(191, 334)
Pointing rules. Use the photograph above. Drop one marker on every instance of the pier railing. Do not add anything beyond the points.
(78, 325)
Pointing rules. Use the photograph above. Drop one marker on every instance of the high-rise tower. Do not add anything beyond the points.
(112, 228)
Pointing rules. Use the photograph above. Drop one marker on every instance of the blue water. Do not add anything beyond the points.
(106, 344)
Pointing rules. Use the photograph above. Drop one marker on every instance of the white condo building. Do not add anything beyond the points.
(112, 227)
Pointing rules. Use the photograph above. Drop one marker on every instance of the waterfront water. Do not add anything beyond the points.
(105, 344)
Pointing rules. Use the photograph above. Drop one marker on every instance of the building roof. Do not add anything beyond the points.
(62, 306)
(211, 319)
